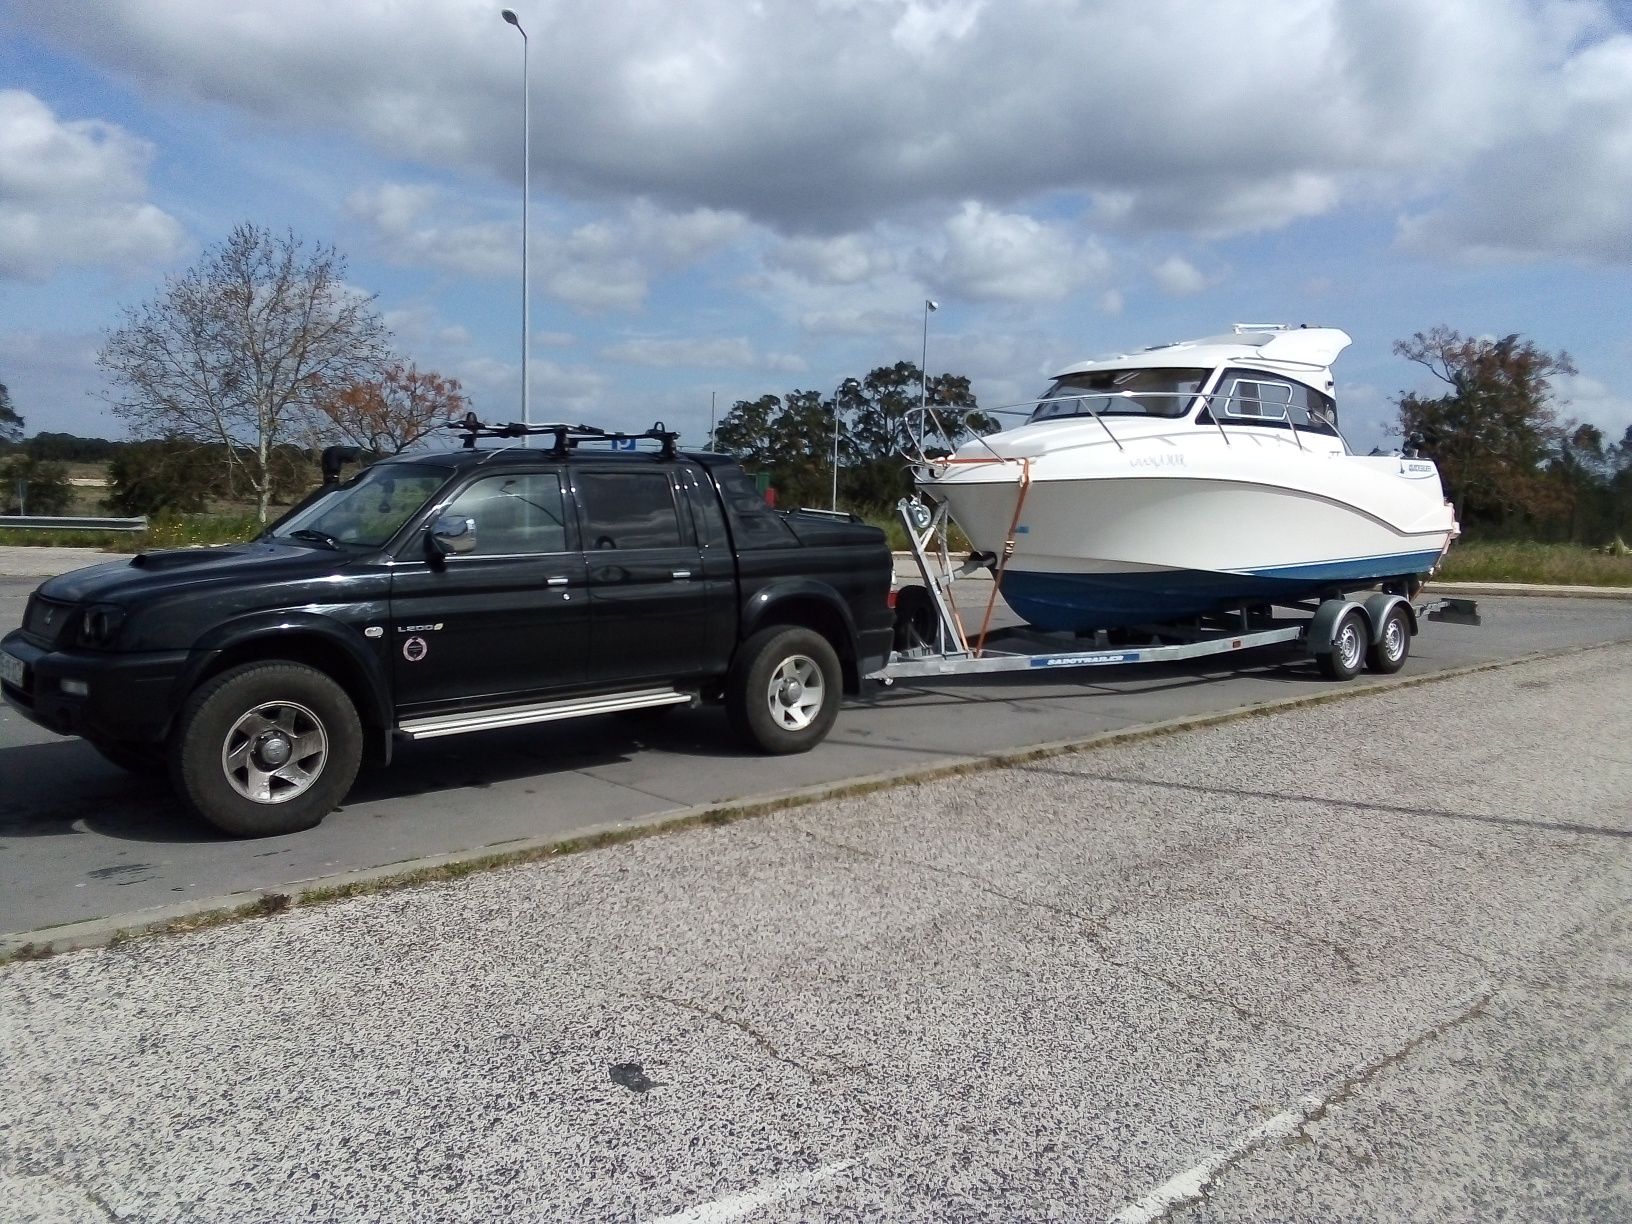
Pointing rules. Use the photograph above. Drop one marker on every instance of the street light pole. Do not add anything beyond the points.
(923, 374)
(837, 421)
(923, 359)
(526, 191)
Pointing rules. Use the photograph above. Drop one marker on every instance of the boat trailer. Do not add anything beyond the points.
(1345, 633)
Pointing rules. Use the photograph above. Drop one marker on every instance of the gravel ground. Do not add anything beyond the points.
(1364, 960)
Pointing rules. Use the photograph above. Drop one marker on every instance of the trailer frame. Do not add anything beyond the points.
(932, 640)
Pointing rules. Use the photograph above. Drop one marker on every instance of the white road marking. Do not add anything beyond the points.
(738, 1205)
(1190, 1185)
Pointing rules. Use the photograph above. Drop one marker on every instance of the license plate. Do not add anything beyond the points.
(11, 669)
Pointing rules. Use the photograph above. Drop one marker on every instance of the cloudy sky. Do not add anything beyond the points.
(750, 196)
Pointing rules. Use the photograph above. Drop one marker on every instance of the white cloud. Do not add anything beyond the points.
(1206, 118)
(722, 353)
(1178, 276)
(1589, 401)
(601, 264)
(1005, 256)
(70, 194)
(846, 259)
(1559, 182)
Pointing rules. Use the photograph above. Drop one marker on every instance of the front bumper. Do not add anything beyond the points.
(125, 697)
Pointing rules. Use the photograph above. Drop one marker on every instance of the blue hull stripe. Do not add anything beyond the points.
(1110, 600)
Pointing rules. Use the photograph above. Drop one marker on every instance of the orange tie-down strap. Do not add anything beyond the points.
(1023, 486)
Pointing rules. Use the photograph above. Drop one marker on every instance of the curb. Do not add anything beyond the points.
(202, 914)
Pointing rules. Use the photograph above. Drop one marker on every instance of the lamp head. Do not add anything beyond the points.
(510, 16)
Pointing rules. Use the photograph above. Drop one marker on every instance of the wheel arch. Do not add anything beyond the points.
(319, 644)
(810, 606)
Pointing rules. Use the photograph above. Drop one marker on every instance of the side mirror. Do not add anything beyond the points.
(453, 534)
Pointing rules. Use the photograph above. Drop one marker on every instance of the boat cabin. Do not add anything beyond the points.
(1264, 376)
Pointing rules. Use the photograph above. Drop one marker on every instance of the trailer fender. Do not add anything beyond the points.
(1323, 625)
(1379, 604)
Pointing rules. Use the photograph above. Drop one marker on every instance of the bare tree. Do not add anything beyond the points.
(240, 349)
(389, 414)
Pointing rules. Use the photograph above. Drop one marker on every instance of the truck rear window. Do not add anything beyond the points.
(753, 523)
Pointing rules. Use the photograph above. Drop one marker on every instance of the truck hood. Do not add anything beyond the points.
(167, 571)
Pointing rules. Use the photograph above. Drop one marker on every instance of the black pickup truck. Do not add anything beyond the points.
(443, 593)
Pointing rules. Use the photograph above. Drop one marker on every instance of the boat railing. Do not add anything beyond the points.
(924, 423)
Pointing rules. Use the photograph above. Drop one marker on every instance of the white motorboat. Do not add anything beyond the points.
(1188, 479)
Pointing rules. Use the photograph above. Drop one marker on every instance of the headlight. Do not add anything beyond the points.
(100, 625)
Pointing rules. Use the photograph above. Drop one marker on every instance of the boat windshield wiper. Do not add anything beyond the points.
(317, 537)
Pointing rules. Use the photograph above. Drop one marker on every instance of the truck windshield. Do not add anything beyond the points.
(367, 510)
(1136, 392)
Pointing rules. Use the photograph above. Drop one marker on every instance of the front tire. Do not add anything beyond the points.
(1388, 653)
(783, 694)
(266, 749)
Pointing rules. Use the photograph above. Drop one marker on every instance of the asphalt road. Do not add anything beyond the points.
(1363, 960)
(80, 839)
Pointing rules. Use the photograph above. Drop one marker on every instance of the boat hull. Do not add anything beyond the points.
(1111, 551)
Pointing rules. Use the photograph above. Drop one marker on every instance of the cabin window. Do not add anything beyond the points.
(1136, 392)
(1261, 399)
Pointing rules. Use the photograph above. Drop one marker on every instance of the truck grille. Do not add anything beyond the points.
(49, 622)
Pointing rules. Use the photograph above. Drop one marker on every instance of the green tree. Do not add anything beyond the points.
(11, 424)
(172, 475)
(791, 436)
(32, 486)
(1495, 431)
(241, 349)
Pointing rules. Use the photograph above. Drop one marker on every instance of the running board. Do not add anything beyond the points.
(544, 711)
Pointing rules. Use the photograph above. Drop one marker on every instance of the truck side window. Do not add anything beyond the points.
(753, 523)
(519, 513)
(628, 510)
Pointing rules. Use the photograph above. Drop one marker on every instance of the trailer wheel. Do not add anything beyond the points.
(1348, 652)
(1388, 653)
(783, 693)
(266, 748)
(914, 617)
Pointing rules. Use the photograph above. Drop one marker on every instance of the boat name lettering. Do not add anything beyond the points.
(1419, 467)
(1156, 461)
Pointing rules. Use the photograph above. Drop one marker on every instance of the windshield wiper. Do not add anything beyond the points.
(317, 537)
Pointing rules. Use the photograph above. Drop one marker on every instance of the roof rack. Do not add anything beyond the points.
(567, 437)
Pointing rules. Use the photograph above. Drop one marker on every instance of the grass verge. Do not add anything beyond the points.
(1530, 562)
(180, 531)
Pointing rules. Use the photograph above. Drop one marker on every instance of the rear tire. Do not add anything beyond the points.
(266, 749)
(1388, 653)
(783, 693)
(1348, 652)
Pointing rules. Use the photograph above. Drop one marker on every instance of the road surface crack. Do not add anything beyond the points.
(747, 1030)
(1198, 1183)
(1339, 952)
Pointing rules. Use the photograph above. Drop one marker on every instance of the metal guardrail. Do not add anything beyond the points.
(47, 522)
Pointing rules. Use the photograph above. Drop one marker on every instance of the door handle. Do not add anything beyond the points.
(557, 581)
(682, 573)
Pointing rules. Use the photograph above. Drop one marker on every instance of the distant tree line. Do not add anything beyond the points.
(1512, 466)
(791, 437)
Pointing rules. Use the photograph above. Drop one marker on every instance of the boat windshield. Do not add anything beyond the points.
(367, 510)
(1137, 392)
